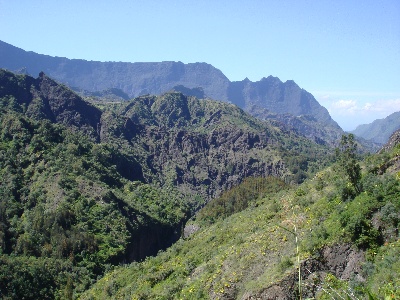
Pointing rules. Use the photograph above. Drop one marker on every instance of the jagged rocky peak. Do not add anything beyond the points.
(282, 97)
(271, 78)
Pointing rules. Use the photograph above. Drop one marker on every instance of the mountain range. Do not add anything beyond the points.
(380, 130)
(112, 182)
(178, 196)
(267, 98)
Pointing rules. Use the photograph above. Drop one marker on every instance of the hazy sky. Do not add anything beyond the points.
(346, 53)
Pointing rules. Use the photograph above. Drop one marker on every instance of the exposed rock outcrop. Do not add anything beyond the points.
(206, 163)
(201, 146)
(392, 142)
(305, 125)
(341, 260)
(195, 144)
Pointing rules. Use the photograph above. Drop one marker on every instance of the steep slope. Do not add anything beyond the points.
(70, 207)
(392, 142)
(278, 97)
(85, 188)
(44, 98)
(270, 98)
(305, 125)
(379, 130)
(311, 240)
(156, 78)
(202, 146)
(133, 78)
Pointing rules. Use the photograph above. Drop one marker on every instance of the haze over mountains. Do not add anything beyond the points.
(380, 130)
(268, 98)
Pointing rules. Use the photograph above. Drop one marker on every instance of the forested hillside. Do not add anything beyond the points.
(335, 236)
(88, 186)
(70, 208)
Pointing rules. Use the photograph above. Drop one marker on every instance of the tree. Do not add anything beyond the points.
(347, 158)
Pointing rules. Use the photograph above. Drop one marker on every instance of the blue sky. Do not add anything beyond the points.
(346, 53)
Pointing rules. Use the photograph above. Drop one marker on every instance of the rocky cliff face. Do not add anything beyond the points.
(278, 97)
(196, 145)
(392, 165)
(392, 142)
(155, 78)
(340, 260)
(207, 163)
(133, 78)
(305, 125)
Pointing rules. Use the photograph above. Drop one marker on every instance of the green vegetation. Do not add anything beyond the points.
(243, 245)
(85, 201)
(346, 156)
(239, 198)
(67, 213)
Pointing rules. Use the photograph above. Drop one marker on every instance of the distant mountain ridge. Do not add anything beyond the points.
(204, 146)
(155, 78)
(134, 79)
(379, 131)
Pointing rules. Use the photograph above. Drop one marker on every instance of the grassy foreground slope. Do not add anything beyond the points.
(348, 244)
